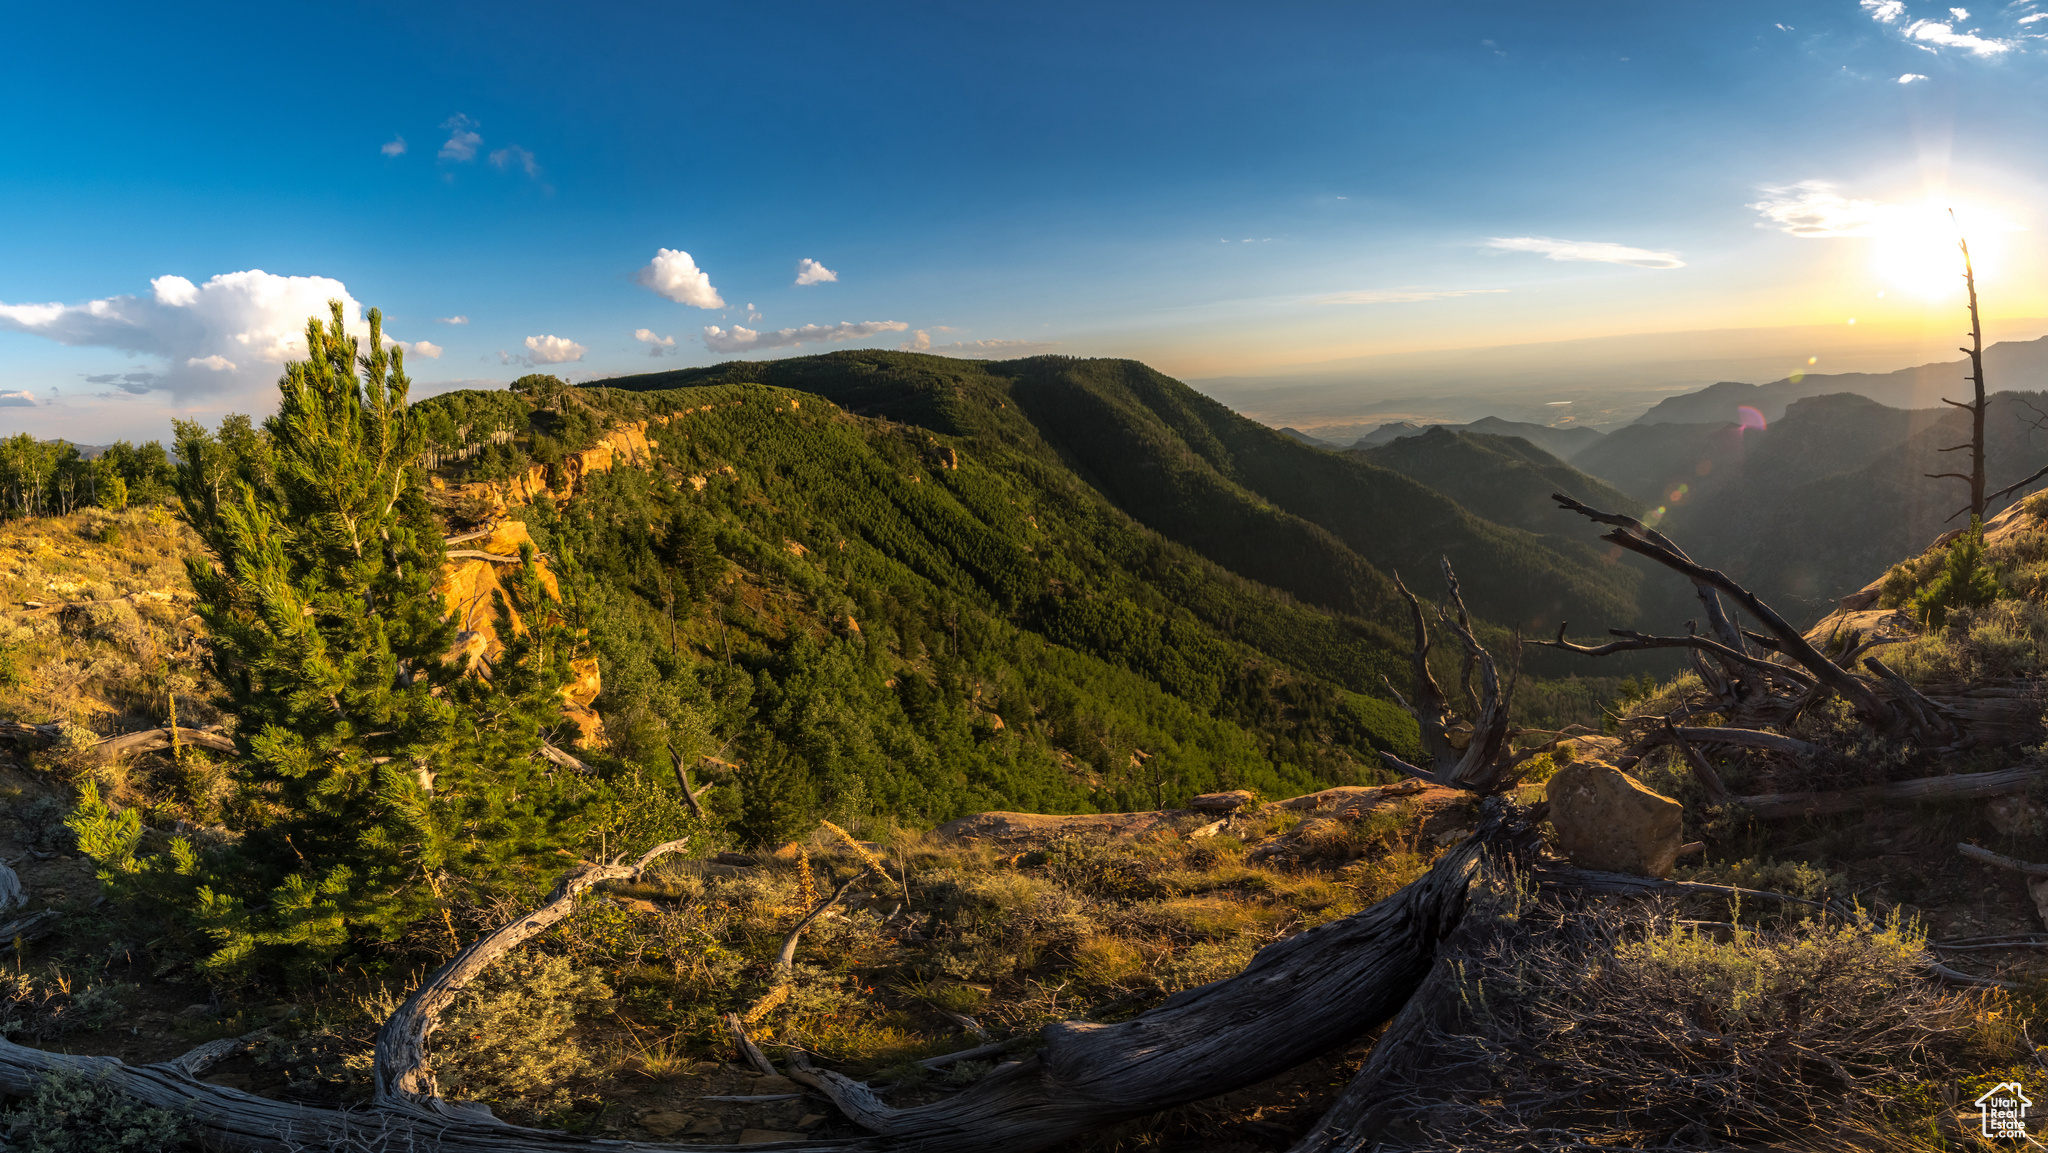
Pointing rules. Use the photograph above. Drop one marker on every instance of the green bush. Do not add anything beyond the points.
(1964, 581)
(75, 1112)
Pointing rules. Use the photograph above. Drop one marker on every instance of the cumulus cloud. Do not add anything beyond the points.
(463, 140)
(656, 345)
(740, 339)
(1812, 208)
(232, 332)
(977, 349)
(1400, 295)
(1598, 251)
(553, 350)
(394, 147)
(2034, 17)
(17, 400)
(451, 320)
(425, 348)
(674, 275)
(809, 271)
(1911, 77)
(1885, 11)
(512, 156)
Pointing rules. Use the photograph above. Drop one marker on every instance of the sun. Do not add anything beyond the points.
(1917, 252)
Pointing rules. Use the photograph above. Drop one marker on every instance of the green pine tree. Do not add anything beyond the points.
(1965, 581)
(379, 783)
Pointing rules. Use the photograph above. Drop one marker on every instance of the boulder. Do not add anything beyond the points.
(1607, 820)
(666, 1124)
(1229, 802)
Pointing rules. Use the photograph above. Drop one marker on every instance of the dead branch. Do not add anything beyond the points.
(692, 796)
(1886, 715)
(1976, 853)
(401, 1081)
(555, 756)
(1633, 641)
(1483, 763)
(140, 741)
(1717, 790)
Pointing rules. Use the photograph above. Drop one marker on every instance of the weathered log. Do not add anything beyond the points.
(1961, 787)
(1632, 641)
(150, 740)
(1298, 997)
(1716, 789)
(557, 757)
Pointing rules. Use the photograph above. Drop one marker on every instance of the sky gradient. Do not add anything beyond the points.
(1220, 190)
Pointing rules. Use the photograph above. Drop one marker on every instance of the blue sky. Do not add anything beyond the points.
(1216, 189)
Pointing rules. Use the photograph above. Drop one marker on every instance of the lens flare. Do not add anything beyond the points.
(1749, 417)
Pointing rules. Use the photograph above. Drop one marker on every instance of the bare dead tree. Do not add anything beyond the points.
(1975, 477)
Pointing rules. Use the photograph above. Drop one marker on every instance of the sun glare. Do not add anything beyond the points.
(1916, 248)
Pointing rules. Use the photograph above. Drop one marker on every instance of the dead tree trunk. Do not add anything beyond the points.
(1975, 477)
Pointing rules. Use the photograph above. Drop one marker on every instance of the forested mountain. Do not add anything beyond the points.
(923, 586)
(1505, 479)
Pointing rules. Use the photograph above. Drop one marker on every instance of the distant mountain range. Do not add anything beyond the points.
(2011, 366)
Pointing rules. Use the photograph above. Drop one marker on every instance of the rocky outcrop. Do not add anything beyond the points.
(1607, 820)
(472, 586)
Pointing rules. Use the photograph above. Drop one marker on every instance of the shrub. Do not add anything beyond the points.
(74, 1112)
(1964, 581)
(512, 1033)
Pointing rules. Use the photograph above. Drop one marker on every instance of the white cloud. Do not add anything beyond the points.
(1945, 35)
(2034, 17)
(656, 345)
(1400, 295)
(394, 147)
(1599, 251)
(463, 140)
(977, 349)
(425, 348)
(17, 400)
(809, 271)
(674, 275)
(1884, 11)
(1960, 13)
(231, 332)
(451, 320)
(1911, 77)
(740, 339)
(1812, 208)
(553, 350)
(512, 156)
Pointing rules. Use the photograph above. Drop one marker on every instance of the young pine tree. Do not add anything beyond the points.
(1964, 581)
(378, 783)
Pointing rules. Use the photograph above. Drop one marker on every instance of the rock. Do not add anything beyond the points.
(1229, 802)
(666, 1124)
(810, 1119)
(2015, 816)
(1607, 820)
(705, 1127)
(763, 1136)
(194, 1012)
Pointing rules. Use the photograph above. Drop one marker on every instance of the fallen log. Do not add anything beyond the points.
(1961, 787)
(1298, 997)
(140, 741)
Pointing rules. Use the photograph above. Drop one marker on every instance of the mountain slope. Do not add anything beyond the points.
(2013, 365)
(1505, 479)
(1322, 526)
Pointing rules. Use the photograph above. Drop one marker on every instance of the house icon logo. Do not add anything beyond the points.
(2004, 1110)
